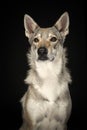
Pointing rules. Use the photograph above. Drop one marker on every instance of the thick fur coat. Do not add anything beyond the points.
(47, 103)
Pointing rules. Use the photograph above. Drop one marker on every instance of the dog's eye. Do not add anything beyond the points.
(53, 39)
(36, 40)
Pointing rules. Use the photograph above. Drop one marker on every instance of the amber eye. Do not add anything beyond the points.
(53, 39)
(36, 40)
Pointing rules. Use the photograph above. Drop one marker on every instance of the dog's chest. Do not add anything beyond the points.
(51, 102)
(48, 73)
(49, 89)
(49, 80)
(47, 110)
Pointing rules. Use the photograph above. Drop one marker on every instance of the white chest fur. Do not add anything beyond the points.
(46, 79)
(48, 69)
(48, 72)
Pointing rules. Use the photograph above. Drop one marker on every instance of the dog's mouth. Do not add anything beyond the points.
(43, 58)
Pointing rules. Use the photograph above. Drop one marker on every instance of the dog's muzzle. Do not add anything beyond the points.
(42, 53)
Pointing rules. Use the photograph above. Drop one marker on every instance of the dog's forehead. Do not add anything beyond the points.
(46, 32)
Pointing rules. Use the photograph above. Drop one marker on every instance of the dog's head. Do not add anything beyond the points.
(45, 42)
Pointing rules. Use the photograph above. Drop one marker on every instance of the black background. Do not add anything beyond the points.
(14, 46)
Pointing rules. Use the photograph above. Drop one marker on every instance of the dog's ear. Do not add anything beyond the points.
(63, 24)
(30, 25)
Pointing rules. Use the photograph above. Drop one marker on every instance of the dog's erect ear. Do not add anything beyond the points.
(30, 25)
(63, 24)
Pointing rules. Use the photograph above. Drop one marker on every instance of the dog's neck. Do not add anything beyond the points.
(44, 70)
(48, 69)
(49, 77)
(49, 73)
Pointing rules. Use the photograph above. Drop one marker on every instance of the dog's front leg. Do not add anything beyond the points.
(42, 125)
(50, 125)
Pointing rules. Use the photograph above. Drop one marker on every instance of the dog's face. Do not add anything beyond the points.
(45, 42)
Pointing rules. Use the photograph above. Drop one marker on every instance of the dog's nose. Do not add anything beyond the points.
(42, 51)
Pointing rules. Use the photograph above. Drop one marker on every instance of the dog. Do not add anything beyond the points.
(47, 102)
